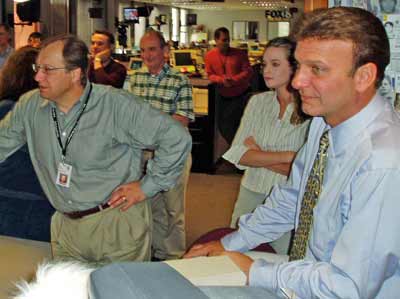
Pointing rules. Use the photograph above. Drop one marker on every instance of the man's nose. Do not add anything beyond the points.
(39, 75)
(301, 78)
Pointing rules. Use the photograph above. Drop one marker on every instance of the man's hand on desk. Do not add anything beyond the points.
(127, 195)
(215, 248)
(206, 249)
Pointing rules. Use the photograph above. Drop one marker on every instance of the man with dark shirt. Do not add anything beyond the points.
(35, 39)
(103, 69)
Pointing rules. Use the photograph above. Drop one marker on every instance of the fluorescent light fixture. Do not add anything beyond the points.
(20, 1)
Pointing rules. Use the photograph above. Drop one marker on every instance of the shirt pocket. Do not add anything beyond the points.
(328, 223)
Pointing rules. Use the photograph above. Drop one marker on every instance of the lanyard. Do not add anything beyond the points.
(72, 132)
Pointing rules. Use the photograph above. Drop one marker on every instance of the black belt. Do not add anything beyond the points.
(81, 214)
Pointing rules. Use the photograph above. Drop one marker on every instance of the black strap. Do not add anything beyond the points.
(72, 132)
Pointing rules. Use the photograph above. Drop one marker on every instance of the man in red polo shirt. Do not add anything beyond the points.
(230, 69)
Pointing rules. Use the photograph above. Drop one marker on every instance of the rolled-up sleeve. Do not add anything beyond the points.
(238, 149)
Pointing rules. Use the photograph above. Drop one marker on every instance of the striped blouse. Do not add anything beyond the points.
(261, 120)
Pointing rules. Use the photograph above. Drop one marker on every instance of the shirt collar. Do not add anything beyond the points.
(289, 109)
(345, 133)
(164, 70)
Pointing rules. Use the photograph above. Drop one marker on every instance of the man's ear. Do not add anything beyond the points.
(76, 75)
(365, 76)
(166, 50)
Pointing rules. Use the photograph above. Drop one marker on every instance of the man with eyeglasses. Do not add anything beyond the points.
(85, 141)
(5, 48)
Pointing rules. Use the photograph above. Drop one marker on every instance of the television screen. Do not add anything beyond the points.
(131, 15)
(183, 58)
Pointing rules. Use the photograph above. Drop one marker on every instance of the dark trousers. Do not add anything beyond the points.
(229, 113)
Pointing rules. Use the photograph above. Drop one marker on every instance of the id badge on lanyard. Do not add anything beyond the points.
(64, 174)
(64, 171)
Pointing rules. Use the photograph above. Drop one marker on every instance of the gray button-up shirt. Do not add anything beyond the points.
(105, 150)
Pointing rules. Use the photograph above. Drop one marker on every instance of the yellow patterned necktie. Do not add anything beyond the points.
(310, 197)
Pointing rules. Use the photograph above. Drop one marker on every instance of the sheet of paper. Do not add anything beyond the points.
(210, 271)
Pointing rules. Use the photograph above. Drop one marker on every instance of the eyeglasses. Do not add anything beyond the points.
(46, 69)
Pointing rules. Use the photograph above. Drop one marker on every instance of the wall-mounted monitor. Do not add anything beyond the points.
(131, 15)
(144, 11)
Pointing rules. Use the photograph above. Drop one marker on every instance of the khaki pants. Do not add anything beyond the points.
(168, 213)
(107, 236)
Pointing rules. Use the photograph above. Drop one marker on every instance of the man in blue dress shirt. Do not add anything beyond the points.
(353, 249)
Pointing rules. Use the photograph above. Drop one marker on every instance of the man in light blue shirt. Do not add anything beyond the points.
(353, 249)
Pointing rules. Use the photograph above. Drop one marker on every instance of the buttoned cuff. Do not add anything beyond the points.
(148, 186)
(234, 154)
(263, 274)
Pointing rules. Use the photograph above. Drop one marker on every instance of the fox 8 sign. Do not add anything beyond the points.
(282, 14)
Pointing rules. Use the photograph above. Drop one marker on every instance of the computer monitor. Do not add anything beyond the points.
(182, 61)
(131, 15)
(135, 63)
(183, 58)
(199, 37)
